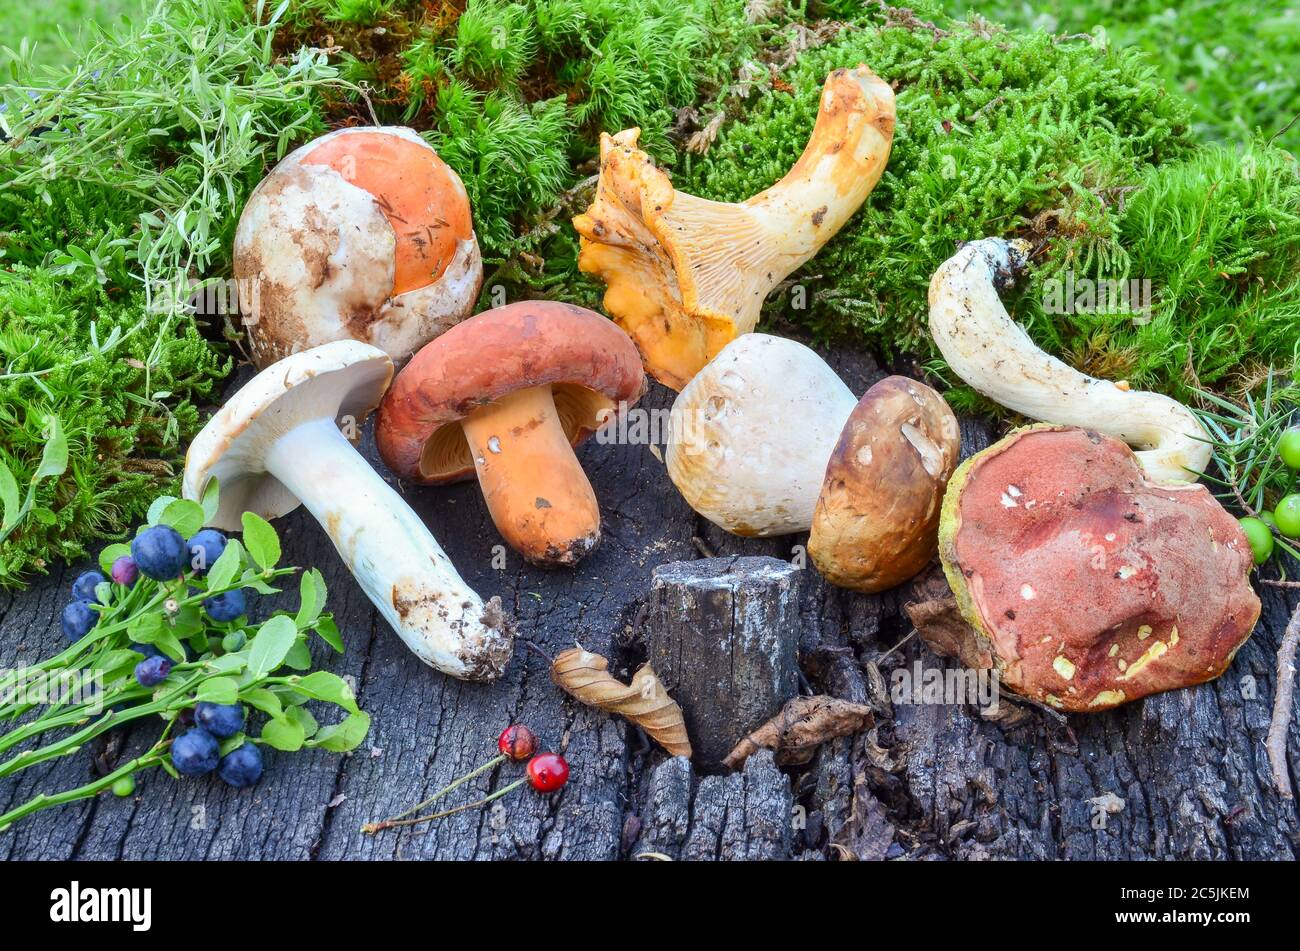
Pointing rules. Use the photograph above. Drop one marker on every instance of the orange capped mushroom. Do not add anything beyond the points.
(507, 395)
(362, 234)
(685, 275)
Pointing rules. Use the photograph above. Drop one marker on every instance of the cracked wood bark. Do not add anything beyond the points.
(930, 781)
(723, 636)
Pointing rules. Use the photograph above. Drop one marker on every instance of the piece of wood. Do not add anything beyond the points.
(941, 781)
(723, 636)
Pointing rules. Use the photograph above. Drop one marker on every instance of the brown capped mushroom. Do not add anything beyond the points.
(1086, 583)
(877, 519)
(507, 395)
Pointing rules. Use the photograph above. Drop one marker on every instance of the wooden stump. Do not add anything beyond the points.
(723, 636)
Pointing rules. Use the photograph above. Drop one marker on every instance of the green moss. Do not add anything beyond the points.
(1001, 134)
(125, 412)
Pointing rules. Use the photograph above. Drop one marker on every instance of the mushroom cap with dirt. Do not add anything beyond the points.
(685, 276)
(751, 433)
(507, 395)
(994, 355)
(877, 517)
(279, 443)
(1085, 584)
(362, 234)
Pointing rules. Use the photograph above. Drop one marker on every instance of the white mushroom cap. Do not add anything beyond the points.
(342, 382)
(752, 432)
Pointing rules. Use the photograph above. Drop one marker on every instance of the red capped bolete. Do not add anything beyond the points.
(1086, 584)
(877, 519)
(362, 234)
(507, 395)
(685, 276)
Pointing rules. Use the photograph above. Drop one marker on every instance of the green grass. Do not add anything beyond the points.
(1237, 61)
(40, 23)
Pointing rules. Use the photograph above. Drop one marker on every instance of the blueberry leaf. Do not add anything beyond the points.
(111, 554)
(227, 564)
(156, 509)
(283, 734)
(323, 685)
(271, 645)
(261, 541)
(344, 736)
(329, 632)
(211, 500)
(218, 690)
(183, 515)
(259, 698)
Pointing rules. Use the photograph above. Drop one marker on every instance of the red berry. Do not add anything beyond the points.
(517, 742)
(547, 772)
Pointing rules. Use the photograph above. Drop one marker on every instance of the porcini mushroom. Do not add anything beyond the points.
(685, 275)
(993, 354)
(877, 518)
(362, 234)
(277, 444)
(751, 434)
(1085, 583)
(508, 394)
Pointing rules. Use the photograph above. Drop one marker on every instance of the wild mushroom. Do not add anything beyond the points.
(877, 518)
(508, 394)
(686, 276)
(362, 234)
(277, 443)
(751, 434)
(1086, 584)
(993, 354)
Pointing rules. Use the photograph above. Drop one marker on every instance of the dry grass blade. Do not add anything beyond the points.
(586, 677)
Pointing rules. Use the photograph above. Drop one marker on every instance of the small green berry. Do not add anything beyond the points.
(1260, 538)
(1287, 515)
(124, 786)
(1267, 518)
(1288, 447)
(234, 641)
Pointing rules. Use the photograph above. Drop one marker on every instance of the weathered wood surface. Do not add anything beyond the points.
(723, 636)
(929, 781)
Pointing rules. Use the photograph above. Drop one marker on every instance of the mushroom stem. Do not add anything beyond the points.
(398, 564)
(538, 495)
(993, 354)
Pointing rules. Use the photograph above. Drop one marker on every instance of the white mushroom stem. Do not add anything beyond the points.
(994, 355)
(394, 558)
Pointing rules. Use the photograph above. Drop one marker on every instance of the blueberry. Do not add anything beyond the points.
(147, 650)
(205, 548)
(83, 589)
(152, 671)
(125, 570)
(195, 752)
(226, 606)
(220, 719)
(242, 766)
(78, 618)
(159, 552)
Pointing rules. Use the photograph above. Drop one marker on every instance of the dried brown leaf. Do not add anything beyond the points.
(585, 676)
(802, 725)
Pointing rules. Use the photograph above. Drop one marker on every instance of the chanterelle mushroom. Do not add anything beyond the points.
(877, 518)
(508, 394)
(277, 443)
(362, 234)
(992, 353)
(1085, 584)
(685, 275)
(751, 434)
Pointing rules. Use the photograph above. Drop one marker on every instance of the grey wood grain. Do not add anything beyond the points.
(928, 781)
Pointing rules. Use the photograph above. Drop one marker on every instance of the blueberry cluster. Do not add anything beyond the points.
(197, 751)
(162, 554)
